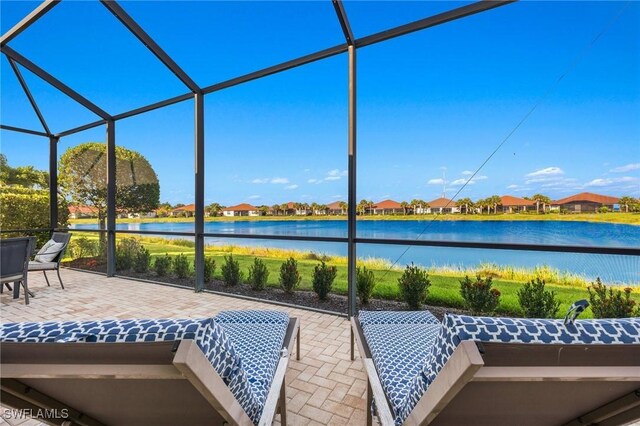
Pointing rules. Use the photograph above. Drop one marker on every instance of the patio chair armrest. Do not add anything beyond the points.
(377, 393)
(273, 397)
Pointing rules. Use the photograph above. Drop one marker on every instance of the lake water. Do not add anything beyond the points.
(618, 269)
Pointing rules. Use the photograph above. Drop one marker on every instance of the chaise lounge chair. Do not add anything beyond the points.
(499, 371)
(229, 369)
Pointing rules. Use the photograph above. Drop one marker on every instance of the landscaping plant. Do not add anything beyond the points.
(126, 253)
(181, 266)
(323, 277)
(209, 268)
(142, 261)
(536, 302)
(478, 295)
(84, 247)
(289, 275)
(162, 265)
(258, 274)
(414, 286)
(609, 303)
(365, 281)
(231, 273)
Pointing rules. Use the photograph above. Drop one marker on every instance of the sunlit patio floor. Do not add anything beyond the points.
(324, 387)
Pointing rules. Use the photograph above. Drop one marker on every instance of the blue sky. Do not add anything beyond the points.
(431, 105)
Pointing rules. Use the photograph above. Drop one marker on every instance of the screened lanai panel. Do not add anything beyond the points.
(86, 47)
(272, 254)
(435, 105)
(277, 147)
(24, 185)
(13, 12)
(155, 170)
(16, 109)
(215, 41)
(59, 111)
(567, 274)
(370, 17)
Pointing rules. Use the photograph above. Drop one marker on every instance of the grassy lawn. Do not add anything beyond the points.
(444, 290)
(624, 218)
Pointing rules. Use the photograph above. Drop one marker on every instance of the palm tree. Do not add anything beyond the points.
(404, 206)
(343, 207)
(494, 201)
(314, 206)
(285, 208)
(263, 210)
(214, 209)
(275, 209)
(466, 202)
(541, 199)
(482, 203)
(626, 201)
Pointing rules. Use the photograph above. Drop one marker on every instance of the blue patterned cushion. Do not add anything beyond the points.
(208, 334)
(399, 350)
(397, 317)
(456, 328)
(252, 317)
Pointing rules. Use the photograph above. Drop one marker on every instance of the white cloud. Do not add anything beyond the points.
(463, 181)
(337, 172)
(307, 170)
(294, 186)
(467, 172)
(437, 181)
(332, 178)
(626, 168)
(313, 181)
(276, 180)
(279, 180)
(254, 197)
(513, 186)
(547, 171)
(610, 181)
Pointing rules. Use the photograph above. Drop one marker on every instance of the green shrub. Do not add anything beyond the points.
(181, 266)
(536, 302)
(478, 295)
(603, 209)
(162, 265)
(365, 281)
(84, 247)
(209, 268)
(609, 303)
(323, 277)
(142, 261)
(289, 275)
(231, 273)
(127, 252)
(258, 274)
(414, 286)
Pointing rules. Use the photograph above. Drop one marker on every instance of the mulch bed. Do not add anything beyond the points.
(335, 302)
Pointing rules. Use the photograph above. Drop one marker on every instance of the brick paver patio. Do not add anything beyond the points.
(324, 388)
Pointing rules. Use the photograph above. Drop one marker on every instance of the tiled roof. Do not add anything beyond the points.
(244, 207)
(508, 200)
(441, 202)
(334, 206)
(83, 210)
(187, 208)
(589, 197)
(388, 204)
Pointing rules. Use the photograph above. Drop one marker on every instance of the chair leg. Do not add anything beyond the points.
(8, 287)
(369, 402)
(47, 279)
(16, 289)
(26, 291)
(298, 345)
(283, 403)
(60, 279)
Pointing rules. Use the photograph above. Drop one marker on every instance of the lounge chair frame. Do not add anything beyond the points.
(474, 363)
(178, 360)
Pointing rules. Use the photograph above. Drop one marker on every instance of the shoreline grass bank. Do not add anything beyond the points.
(619, 218)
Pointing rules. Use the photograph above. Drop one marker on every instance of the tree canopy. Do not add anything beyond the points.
(83, 179)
